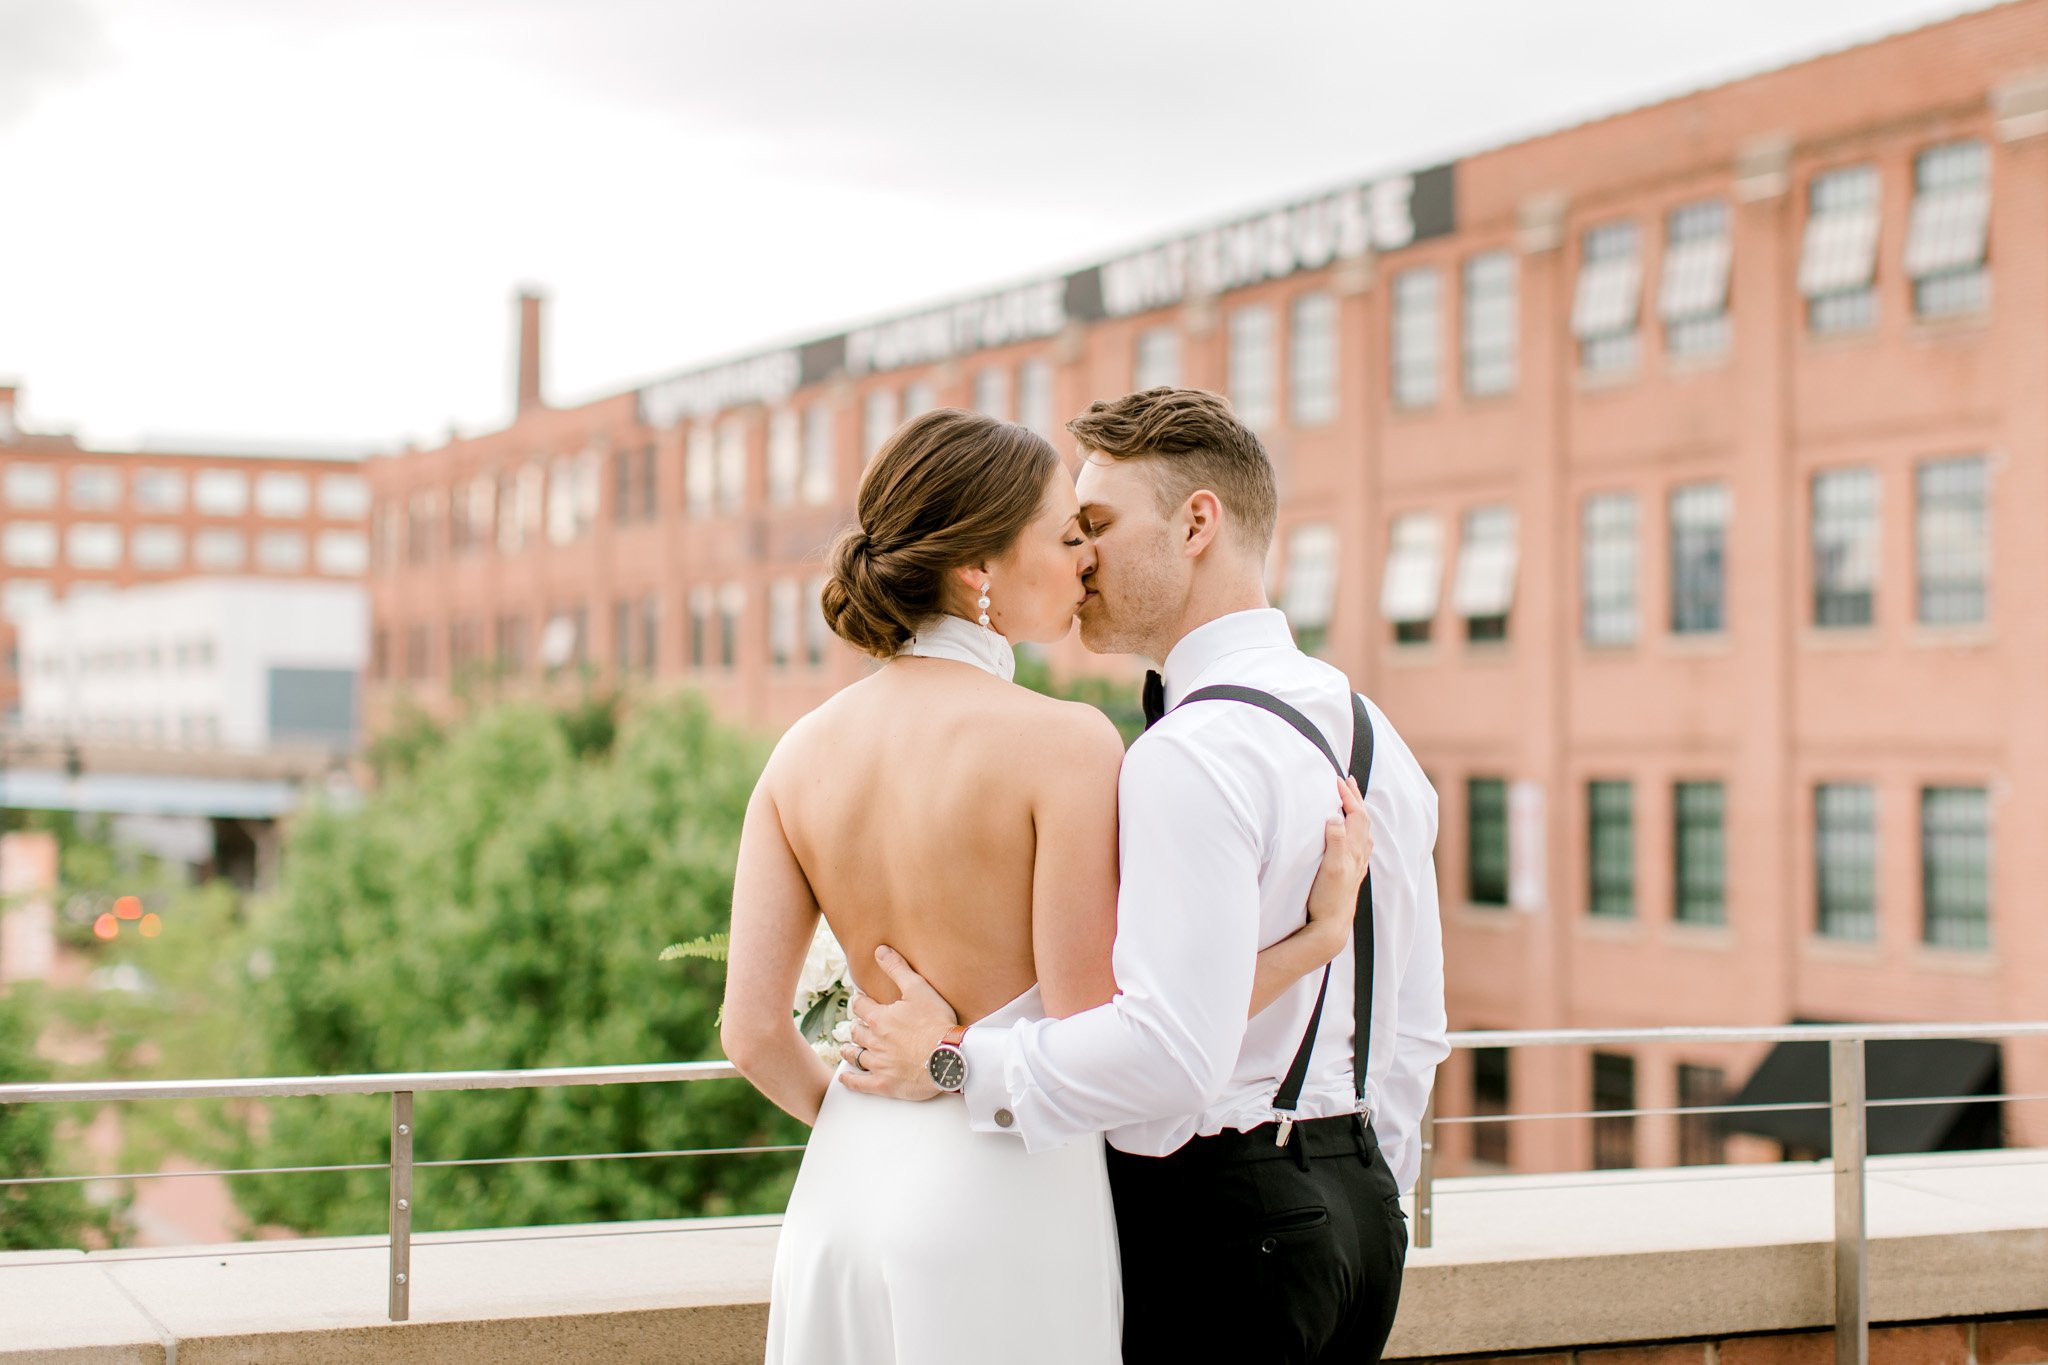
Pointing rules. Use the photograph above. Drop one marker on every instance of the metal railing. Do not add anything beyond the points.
(1848, 1104)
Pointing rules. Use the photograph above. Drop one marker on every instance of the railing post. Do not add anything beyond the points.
(401, 1205)
(1425, 1178)
(1852, 1249)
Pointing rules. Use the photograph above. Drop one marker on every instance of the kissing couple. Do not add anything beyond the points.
(1153, 1087)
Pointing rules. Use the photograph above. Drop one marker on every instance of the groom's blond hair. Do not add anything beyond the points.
(1190, 439)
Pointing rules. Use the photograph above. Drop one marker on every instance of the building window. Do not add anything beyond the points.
(1251, 365)
(93, 545)
(344, 497)
(1699, 853)
(511, 644)
(1614, 1088)
(701, 604)
(20, 597)
(1484, 589)
(219, 550)
(783, 623)
(732, 605)
(1702, 1138)
(1845, 547)
(29, 544)
(1312, 359)
(419, 647)
(992, 392)
(1955, 867)
(700, 471)
(1611, 849)
(1490, 1100)
(481, 494)
(785, 457)
(878, 420)
(1486, 841)
(158, 490)
(221, 492)
(1417, 345)
(343, 554)
(732, 464)
(650, 483)
(95, 487)
(1309, 598)
(1951, 538)
(1946, 241)
(157, 547)
(1415, 567)
(1608, 301)
(624, 488)
(1845, 861)
(561, 513)
(1693, 296)
(817, 471)
(1607, 569)
(1034, 396)
(282, 495)
(650, 633)
(565, 640)
(31, 485)
(1838, 260)
(919, 396)
(1157, 360)
(1489, 324)
(625, 634)
(281, 552)
(1699, 527)
(816, 631)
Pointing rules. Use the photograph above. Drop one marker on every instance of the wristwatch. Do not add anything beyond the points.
(948, 1064)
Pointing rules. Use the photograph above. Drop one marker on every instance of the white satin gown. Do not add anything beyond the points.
(911, 1240)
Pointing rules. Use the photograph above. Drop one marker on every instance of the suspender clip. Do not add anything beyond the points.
(1285, 1118)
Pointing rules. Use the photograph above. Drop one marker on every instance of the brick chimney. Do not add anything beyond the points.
(530, 300)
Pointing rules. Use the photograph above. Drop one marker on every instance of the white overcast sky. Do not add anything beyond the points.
(302, 220)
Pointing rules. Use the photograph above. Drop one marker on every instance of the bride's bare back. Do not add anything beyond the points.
(964, 821)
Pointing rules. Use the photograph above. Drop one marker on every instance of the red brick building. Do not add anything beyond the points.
(76, 521)
(1670, 481)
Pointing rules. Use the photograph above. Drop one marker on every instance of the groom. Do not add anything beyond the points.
(1243, 1236)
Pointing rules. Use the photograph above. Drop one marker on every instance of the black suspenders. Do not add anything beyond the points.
(1288, 1096)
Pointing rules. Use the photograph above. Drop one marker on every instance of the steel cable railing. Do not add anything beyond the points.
(1848, 1107)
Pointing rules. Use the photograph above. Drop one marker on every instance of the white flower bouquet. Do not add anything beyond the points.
(823, 1007)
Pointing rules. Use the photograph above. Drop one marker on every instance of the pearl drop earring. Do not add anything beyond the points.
(983, 604)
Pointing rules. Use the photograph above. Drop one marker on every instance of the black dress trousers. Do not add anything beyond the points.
(1236, 1249)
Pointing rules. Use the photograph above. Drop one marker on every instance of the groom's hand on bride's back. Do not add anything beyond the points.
(892, 1045)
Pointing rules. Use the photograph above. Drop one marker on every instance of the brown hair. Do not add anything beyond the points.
(1195, 441)
(948, 488)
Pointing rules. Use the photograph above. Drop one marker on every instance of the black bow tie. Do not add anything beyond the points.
(1155, 697)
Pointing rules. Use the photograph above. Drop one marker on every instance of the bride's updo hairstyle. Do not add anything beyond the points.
(948, 488)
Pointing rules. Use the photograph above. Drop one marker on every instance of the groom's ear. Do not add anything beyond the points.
(1201, 522)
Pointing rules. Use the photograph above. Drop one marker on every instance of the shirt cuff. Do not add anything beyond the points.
(990, 1106)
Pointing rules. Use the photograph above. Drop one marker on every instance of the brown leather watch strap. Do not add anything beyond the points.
(953, 1036)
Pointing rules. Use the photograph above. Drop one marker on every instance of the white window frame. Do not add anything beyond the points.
(1034, 396)
(157, 548)
(700, 470)
(1489, 319)
(785, 456)
(281, 552)
(94, 487)
(28, 484)
(1488, 556)
(732, 464)
(1415, 340)
(1156, 358)
(1839, 251)
(283, 494)
(344, 497)
(819, 457)
(342, 554)
(879, 417)
(992, 392)
(220, 493)
(1692, 296)
(1312, 358)
(1309, 599)
(1411, 590)
(1253, 364)
(92, 545)
(29, 544)
(1607, 301)
(210, 545)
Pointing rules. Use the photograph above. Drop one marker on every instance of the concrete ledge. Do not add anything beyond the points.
(1522, 1263)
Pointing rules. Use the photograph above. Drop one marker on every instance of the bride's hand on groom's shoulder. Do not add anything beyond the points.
(1347, 851)
(893, 1044)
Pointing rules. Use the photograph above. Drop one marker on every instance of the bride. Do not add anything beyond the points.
(940, 808)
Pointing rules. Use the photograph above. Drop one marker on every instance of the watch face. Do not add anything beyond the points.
(948, 1069)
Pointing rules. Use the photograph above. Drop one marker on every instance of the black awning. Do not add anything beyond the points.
(1894, 1069)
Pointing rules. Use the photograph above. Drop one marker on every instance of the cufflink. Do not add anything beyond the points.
(1005, 1119)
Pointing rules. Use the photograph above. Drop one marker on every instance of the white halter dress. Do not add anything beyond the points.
(912, 1240)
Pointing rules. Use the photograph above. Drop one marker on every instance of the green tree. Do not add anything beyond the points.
(33, 1216)
(499, 903)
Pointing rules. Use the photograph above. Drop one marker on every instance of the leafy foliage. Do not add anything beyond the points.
(498, 903)
(33, 1216)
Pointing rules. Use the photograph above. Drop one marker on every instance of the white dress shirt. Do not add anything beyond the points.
(1221, 808)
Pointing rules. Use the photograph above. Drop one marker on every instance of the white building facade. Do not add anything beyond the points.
(199, 663)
